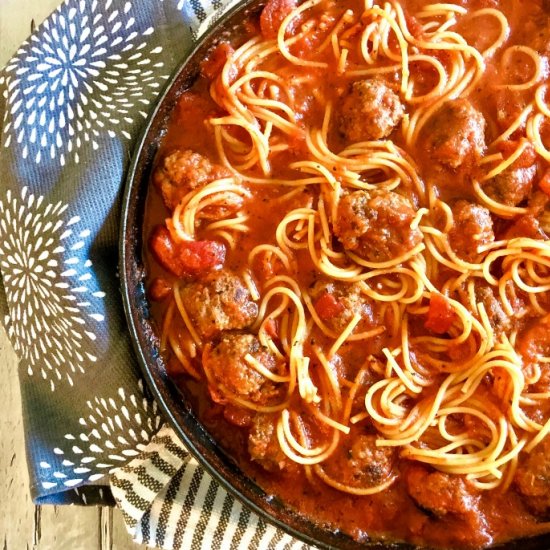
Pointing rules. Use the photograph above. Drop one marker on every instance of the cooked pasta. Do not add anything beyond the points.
(356, 265)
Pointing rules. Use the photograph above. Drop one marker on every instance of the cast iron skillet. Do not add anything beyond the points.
(146, 344)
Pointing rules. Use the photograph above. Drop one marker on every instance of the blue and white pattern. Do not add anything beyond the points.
(89, 70)
(72, 101)
(114, 430)
(53, 310)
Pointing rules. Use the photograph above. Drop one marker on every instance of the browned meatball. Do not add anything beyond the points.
(225, 359)
(183, 171)
(498, 318)
(512, 186)
(526, 226)
(376, 225)
(472, 229)
(368, 462)
(358, 462)
(336, 303)
(534, 342)
(533, 478)
(369, 111)
(440, 493)
(263, 444)
(455, 135)
(220, 301)
(537, 27)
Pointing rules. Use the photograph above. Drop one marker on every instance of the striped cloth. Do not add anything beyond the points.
(169, 501)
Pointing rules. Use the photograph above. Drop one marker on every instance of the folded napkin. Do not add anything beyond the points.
(72, 101)
(170, 502)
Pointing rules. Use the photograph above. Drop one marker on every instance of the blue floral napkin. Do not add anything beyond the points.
(72, 101)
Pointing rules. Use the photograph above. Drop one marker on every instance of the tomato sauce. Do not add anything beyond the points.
(463, 517)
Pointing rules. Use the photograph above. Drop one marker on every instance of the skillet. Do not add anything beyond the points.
(172, 401)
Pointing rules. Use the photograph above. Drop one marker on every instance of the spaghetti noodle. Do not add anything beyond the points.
(379, 314)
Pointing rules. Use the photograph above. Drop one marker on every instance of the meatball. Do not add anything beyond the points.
(535, 341)
(183, 171)
(472, 229)
(526, 226)
(225, 360)
(369, 111)
(500, 321)
(532, 478)
(358, 462)
(453, 504)
(376, 225)
(440, 493)
(220, 301)
(512, 186)
(263, 445)
(455, 135)
(336, 303)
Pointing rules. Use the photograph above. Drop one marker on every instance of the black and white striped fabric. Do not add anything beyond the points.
(170, 502)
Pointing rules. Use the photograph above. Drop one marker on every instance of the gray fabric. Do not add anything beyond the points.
(168, 501)
(72, 101)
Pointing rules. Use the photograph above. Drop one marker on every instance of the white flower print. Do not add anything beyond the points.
(115, 430)
(52, 311)
(88, 70)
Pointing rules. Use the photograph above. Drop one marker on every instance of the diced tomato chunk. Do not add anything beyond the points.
(327, 306)
(238, 416)
(414, 26)
(440, 314)
(273, 15)
(525, 160)
(215, 60)
(201, 256)
(159, 289)
(544, 183)
(271, 328)
(267, 266)
(187, 258)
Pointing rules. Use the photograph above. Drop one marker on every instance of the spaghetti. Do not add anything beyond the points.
(378, 314)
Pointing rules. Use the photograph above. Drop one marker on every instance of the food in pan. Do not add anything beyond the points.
(349, 264)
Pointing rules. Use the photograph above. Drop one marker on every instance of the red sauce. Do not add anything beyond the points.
(423, 506)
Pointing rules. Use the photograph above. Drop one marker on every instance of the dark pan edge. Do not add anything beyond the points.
(145, 343)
